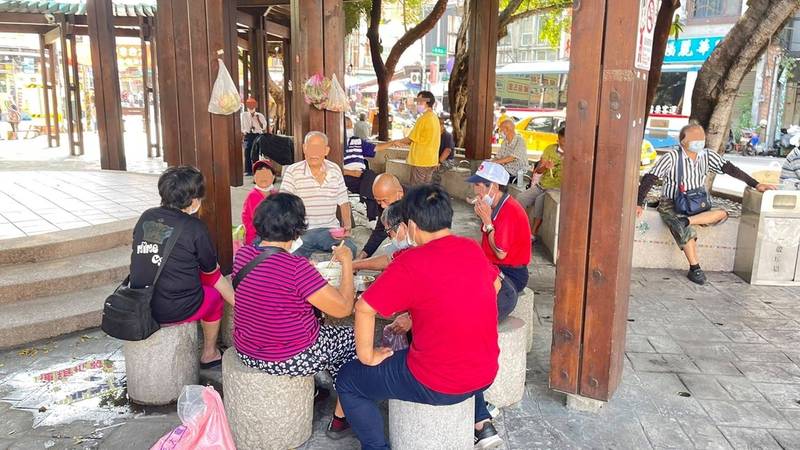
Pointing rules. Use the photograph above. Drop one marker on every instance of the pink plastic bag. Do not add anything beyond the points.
(205, 425)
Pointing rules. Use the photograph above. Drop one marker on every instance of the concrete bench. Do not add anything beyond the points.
(158, 367)
(453, 181)
(266, 411)
(509, 384)
(655, 248)
(548, 232)
(525, 311)
(226, 326)
(414, 426)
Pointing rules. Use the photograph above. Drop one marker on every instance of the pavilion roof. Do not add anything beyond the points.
(129, 8)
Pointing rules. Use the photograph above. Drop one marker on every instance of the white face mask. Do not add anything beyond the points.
(488, 199)
(420, 109)
(266, 189)
(696, 146)
(296, 244)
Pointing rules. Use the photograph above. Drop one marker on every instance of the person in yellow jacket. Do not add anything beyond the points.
(424, 139)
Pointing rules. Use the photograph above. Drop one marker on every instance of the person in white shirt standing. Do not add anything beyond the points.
(320, 184)
(253, 124)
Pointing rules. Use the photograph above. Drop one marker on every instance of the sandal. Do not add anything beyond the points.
(212, 364)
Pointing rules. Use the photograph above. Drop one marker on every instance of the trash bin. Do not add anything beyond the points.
(768, 244)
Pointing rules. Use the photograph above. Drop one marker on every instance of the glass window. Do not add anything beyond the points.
(527, 39)
(670, 90)
(716, 8)
(541, 124)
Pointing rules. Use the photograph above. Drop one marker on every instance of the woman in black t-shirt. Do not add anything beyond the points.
(191, 286)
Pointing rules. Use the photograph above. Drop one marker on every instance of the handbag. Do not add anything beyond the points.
(693, 201)
(269, 251)
(126, 312)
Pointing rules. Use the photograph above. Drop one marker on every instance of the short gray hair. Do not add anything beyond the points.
(318, 134)
(686, 128)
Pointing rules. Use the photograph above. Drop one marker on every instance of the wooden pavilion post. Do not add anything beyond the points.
(52, 80)
(317, 33)
(52, 141)
(287, 86)
(148, 85)
(100, 18)
(259, 65)
(71, 87)
(482, 36)
(154, 86)
(605, 112)
(190, 32)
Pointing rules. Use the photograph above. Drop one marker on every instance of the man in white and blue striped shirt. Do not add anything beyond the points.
(698, 162)
(790, 172)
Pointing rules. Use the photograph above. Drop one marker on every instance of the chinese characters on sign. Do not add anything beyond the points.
(688, 50)
(644, 37)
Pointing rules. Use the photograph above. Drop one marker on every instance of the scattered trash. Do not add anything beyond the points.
(49, 444)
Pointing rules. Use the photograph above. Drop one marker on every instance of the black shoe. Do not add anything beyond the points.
(487, 438)
(338, 428)
(697, 276)
(321, 394)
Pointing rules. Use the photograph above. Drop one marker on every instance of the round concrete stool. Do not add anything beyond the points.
(266, 411)
(525, 311)
(414, 426)
(226, 326)
(158, 367)
(509, 385)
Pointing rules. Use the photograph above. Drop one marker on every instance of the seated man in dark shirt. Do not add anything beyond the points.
(447, 152)
(386, 190)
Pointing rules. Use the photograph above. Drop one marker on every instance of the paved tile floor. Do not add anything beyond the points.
(705, 367)
(37, 202)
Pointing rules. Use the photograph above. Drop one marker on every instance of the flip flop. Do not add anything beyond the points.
(212, 364)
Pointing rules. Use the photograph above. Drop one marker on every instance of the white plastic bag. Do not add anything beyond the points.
(337, 99)
(225, 98)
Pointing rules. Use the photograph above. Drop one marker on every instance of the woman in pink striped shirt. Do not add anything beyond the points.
(275, 326)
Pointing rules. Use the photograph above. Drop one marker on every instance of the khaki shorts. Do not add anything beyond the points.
(683, 235)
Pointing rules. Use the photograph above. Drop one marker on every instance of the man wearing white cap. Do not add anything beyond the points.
(506, 234)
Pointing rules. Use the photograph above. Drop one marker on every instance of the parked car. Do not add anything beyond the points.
(540, 130)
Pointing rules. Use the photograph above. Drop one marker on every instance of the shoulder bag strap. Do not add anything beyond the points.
(176, 232)
(269, 251)
(681, 188)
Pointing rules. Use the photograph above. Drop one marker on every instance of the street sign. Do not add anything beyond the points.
(441, 51)
(690, 50)
(644, 37)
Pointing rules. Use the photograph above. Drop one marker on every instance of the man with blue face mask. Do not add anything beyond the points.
(684, 171)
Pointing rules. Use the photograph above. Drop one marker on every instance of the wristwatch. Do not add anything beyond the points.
(488, 228)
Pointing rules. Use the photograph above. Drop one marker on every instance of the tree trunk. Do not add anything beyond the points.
(660, 38)
(457, 86)
(384, 71)
(721, 75)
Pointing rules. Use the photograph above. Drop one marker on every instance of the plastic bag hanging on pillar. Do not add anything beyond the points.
(337, 99)
(225, 98)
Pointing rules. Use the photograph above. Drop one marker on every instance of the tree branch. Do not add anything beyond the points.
(412, 35)
(507, 17)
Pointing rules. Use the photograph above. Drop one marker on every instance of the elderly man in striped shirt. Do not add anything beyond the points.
(698, 162)
(320, 184)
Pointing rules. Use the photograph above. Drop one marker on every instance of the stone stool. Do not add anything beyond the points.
(158, 367)
(525, 311)
(509, 385)
(414, 426)
(226, 326)
(266, 411)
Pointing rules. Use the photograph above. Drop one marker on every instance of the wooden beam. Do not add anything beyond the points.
(26, 28)
(52, 36)
(481, 81)
(273, 28)
(260, 3)
(601, 165)
(245, 19)
(242, 43)
(106, 84)
(24, 18)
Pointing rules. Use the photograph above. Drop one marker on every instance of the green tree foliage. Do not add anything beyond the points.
(356, 11)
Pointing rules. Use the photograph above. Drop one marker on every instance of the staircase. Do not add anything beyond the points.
(56, 283)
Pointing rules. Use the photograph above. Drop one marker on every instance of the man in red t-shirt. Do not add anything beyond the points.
(506, 234)
(453, 355)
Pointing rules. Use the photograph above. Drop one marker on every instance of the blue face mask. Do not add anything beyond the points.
(697, 147)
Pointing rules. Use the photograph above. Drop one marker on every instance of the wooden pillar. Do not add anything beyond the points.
(317, 34)
(144, 37)
(52, 80)
(190, 32)
(259, 65)
(70, 87)
(154, 86)
(235, 154)
(287, 86)
(482, 36)
(76, 92)
(605, 113)
(100, 17)
(46, 86)
(246, 74)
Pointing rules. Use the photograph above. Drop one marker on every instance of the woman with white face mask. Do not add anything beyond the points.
(275, 326)
(196, 287)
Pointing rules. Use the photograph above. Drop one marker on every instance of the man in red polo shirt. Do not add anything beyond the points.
(506, 233)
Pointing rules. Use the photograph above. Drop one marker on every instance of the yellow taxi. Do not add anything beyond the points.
(540, 129)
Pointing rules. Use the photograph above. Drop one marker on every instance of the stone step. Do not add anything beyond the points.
(61, 244)
(60, 276)
(47, 317)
